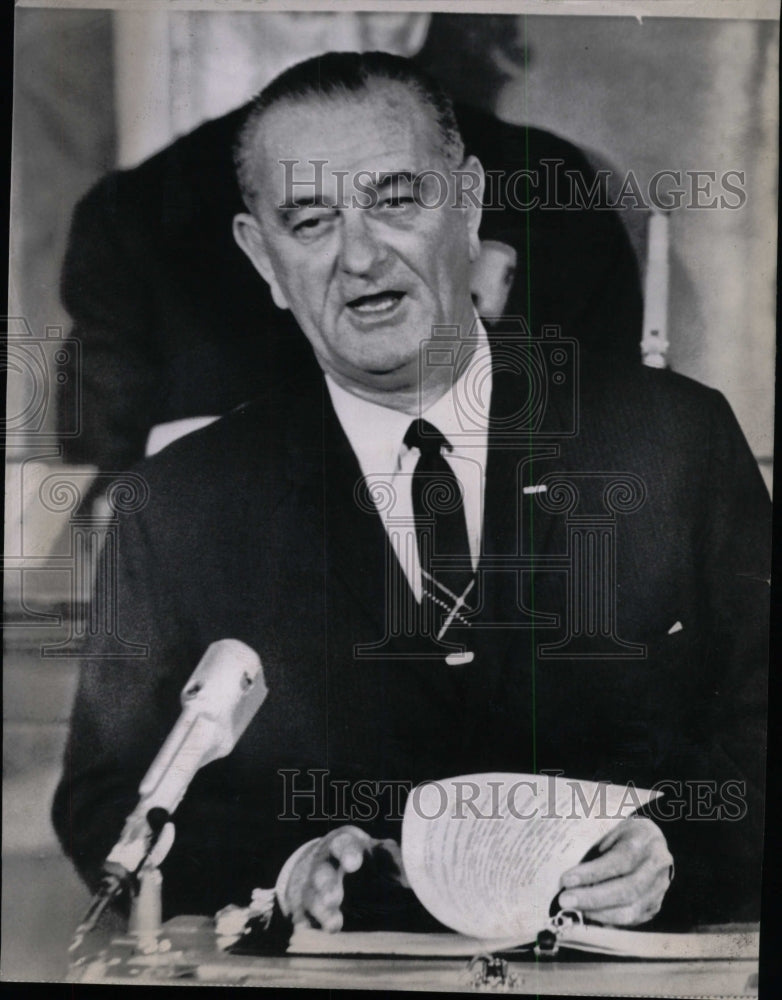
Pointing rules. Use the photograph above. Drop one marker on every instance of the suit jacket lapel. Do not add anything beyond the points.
(524, 443)
(327, 475)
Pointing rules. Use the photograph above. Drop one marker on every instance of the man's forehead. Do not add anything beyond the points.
(378, 130)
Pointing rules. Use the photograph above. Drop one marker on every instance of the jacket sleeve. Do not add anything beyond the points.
(718, 844)
(226, 841)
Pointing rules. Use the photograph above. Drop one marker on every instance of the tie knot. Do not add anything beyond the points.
(425, 436)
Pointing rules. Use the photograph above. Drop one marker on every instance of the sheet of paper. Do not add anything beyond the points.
(308, 941)
(718, 945)
(484, 853)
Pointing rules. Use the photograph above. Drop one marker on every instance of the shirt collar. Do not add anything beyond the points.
(376, 432)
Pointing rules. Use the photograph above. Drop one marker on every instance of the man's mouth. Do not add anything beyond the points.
(377, 304)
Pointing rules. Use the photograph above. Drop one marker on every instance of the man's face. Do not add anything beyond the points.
(366, 268)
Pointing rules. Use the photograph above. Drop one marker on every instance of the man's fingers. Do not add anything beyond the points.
(636, 841)
(637, 912)
(347, 847)
(324, 877)
(328, 918)
(622, 859)
(350, 859)
(620, 891)
(315, 890)
(626, 885)
(330, 895)
(624, 916)
(323, 897)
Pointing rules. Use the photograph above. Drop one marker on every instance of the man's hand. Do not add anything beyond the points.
(314, 891)
(627, 884)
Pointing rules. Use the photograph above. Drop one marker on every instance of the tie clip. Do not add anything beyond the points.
(460, 659)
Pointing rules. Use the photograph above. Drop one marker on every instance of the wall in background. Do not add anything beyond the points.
(63, 140)
(680, 94)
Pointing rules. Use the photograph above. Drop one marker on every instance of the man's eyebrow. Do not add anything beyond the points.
(389, 177)
(291, 205)
(383, 179)
(305, 201)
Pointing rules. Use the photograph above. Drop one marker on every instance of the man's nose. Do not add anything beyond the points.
(361, 252)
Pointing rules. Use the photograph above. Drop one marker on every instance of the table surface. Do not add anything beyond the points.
(194, 958)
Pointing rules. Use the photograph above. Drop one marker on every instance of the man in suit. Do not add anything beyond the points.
(174, 324)
(385, 526)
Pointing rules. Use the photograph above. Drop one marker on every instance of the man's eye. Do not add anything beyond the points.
(311, 225)
(307, 225)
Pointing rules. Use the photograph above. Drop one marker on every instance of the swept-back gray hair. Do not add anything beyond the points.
(343, 74)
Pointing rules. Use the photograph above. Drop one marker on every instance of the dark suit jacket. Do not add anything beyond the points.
(253, 531)
(174, 321)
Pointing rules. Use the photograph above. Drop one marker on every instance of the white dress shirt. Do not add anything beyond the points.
(376, 435)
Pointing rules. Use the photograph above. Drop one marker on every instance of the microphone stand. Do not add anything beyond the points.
(145, 884)
(218, 702)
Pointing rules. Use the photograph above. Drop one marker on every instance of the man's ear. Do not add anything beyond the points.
(249, 235)
(472, 202)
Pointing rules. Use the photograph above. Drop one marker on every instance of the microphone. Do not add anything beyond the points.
(225, 691)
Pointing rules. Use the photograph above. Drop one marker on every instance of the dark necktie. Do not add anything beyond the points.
(441, 530)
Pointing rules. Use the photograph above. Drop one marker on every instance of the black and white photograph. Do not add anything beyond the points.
(389, 457)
